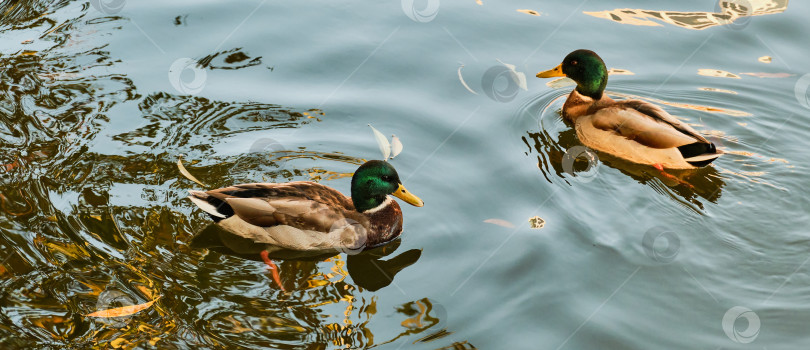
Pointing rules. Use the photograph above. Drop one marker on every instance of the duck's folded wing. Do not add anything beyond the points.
(646, 124)
(304, 205)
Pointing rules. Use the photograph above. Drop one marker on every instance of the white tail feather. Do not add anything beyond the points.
(205, 206)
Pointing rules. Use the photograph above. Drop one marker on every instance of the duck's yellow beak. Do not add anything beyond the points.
(408, 197)
(556, 72)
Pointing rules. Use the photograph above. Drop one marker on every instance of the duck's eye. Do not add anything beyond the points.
(386, 178)
(574, 62)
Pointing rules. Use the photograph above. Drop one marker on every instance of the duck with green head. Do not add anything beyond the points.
(635, 130)
(307, 216)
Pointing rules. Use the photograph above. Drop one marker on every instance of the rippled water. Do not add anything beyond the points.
(100, 99)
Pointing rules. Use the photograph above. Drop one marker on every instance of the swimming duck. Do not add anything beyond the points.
(635, 130)
(307, 216)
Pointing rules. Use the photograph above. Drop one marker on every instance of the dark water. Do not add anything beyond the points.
(99, 100)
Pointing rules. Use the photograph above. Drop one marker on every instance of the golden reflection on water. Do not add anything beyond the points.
(324, 292)
(723, 74)
(708, 72)
(563, 82)
(726, 111)
(768, 75)
(529, 12)
(81, 219)
(717, 90)
(731, 11)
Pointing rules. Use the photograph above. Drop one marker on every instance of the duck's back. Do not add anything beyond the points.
(638, 131)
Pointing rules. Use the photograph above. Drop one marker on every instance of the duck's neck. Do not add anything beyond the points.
(385, 203)
(594, 85)
(364, 203)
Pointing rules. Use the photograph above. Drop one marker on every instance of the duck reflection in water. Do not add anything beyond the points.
(367, 268)
(685, 186)
(423, 318)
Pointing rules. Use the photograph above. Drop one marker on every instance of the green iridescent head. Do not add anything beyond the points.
(586, 68)
(375, 180)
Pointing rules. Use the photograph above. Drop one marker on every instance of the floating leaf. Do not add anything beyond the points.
(385, 147)
(119, 342)
(396, 146)
(717, 90)
(561, 83)
(461, 78)
(619, 71)
(529, 12)
(537, 222)
(186, 173)
(123, 311)
(499, 222)
(717, 73)
(765, 59)
(518, 77)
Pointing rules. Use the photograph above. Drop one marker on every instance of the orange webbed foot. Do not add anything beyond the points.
(273, 268)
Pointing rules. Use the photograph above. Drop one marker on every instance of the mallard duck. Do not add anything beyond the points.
(307, 216)
(635, 130)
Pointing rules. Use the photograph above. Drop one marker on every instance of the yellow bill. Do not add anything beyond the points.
(555, 72)
(408, 197)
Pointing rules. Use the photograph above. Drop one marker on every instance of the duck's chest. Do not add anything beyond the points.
(384, 225)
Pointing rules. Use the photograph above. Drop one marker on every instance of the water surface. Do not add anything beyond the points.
(97, 108)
